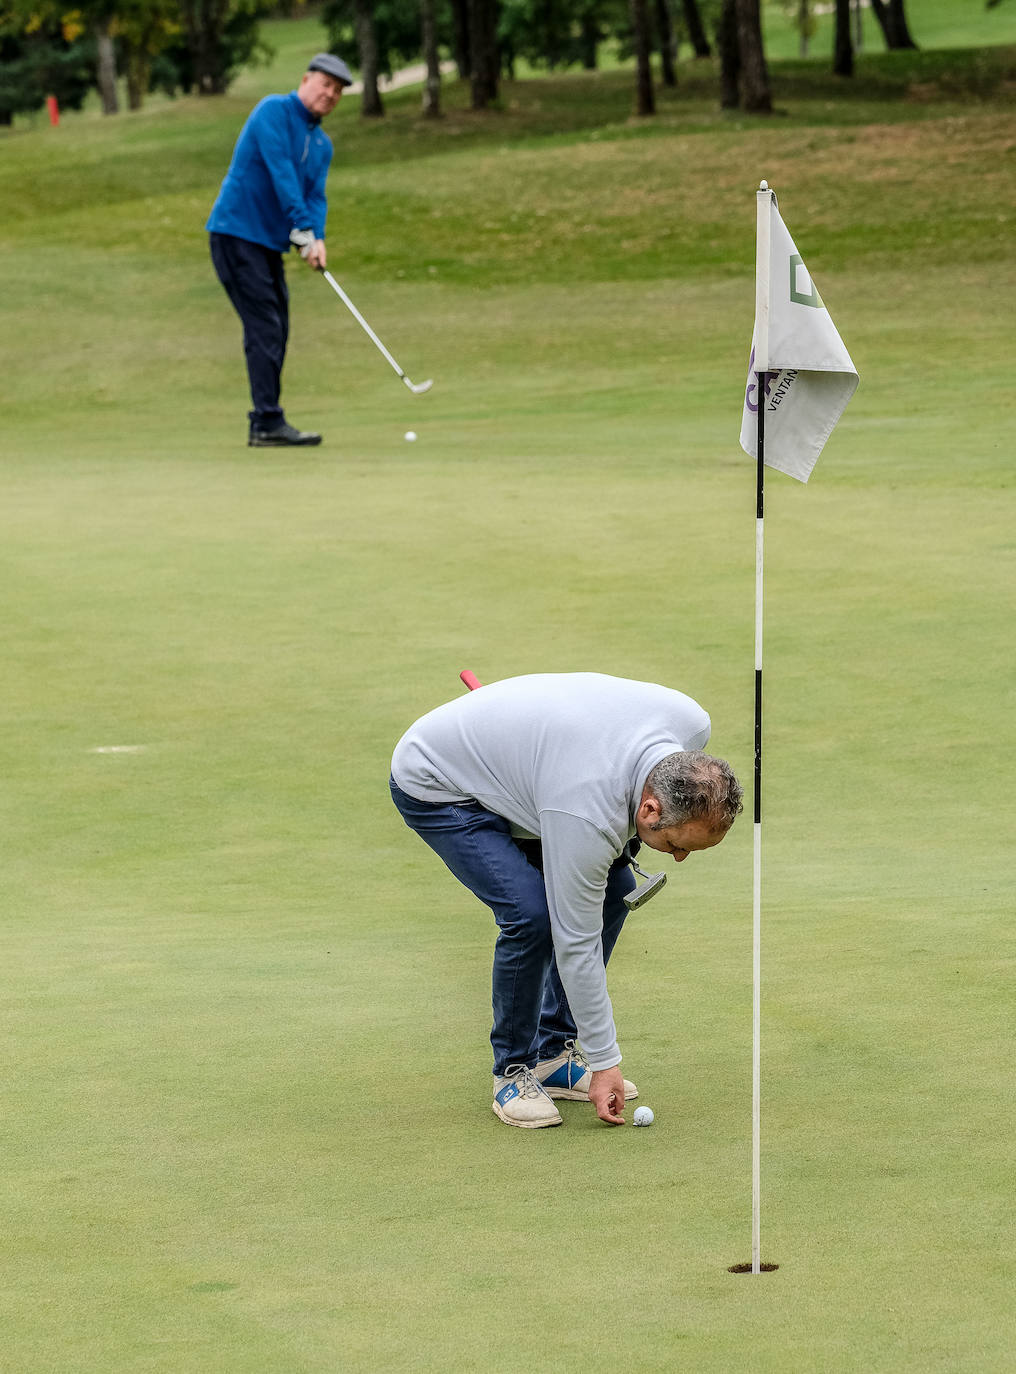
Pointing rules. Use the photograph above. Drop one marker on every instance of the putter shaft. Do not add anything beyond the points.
(417, 388)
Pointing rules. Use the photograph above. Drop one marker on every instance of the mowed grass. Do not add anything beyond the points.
(248, 1120)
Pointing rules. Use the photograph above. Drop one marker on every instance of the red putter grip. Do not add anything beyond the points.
(470, 679)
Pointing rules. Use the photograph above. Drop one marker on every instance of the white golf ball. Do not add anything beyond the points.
(643, 1116)
(410, 436)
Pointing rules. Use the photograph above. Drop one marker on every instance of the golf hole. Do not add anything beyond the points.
(747, 1269)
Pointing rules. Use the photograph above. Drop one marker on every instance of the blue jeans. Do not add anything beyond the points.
(532, 1019)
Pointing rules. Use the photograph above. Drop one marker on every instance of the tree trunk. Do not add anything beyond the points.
(843, 46)
(893, 23)
(432, 82)
(371, 106)
(804, 26)
(645, 100)
(901, 32)
(730, 57)
(139, 73)
(665, 37)
(460, 37)
(858, 26)
(589, 37)
(484, 63)
(105, 75)
(696, 33)
(756, 93)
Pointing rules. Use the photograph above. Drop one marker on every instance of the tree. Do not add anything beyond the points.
(590, 33)
(384, 33)
(143, 29)
(696, 33)
(665, 36)
(53, 25)
(371, 105)
(218, 38)
(645, 100)
(105, 62)
(843, 44)
(540, 30)
(756, 96)
(40, 57)
(432, 81)
(730, 56)
(484, 57)
(560, 33)
(893, 23)
(460, 37)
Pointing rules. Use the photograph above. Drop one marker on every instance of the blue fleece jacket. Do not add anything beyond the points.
(276, 180)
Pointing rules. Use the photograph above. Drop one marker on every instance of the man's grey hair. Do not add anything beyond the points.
(692, 786)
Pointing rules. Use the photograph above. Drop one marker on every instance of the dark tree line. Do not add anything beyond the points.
(199, 45)
(49, 48)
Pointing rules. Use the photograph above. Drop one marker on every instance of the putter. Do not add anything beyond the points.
(649, 889)
(653, 881)
(417, 388)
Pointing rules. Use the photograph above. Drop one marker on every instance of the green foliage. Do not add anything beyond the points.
(218, 38)
(559, 33)
(39, 63)
(397, 27)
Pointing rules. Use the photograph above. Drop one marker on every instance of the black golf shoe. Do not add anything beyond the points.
(283, 436)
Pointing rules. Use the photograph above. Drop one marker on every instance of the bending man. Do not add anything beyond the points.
(530, 790)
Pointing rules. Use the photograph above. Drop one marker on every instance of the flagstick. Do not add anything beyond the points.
(756, 981)
(763, 207)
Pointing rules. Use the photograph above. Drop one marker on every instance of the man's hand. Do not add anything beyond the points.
(606, 1092)
(312, 249)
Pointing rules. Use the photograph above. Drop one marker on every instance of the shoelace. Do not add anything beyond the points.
(527, 1082)
(575, 1056)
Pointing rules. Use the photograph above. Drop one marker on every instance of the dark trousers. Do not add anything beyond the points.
(532, 1018)
(255, 282)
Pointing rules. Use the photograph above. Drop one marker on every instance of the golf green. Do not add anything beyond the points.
(248, 1120)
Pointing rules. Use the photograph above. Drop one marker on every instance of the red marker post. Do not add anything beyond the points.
(470, 679)
(53, 106)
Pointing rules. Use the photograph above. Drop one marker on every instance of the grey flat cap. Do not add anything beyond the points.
(331, 65)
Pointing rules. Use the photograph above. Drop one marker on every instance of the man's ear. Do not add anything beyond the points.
(649, 811)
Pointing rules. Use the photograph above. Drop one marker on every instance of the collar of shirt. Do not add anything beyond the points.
(308, 118)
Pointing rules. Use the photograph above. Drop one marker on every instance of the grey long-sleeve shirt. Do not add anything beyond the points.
(563, 757)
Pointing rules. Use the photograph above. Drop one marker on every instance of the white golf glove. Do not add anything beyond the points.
(304, 239)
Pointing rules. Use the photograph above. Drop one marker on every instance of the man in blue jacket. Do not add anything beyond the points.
(273, 196)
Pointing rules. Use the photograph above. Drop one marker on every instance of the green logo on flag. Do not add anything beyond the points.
(812, 297)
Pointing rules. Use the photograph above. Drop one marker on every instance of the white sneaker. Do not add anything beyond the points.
(569, 1075)
(519, 1099)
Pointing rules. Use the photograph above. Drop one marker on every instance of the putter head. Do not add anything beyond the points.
(420, 387)
(649, 889)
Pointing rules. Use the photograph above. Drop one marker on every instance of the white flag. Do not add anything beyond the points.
(809, 375)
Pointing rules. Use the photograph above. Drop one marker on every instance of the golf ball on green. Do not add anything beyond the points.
(643, 1116)
(410, 436)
